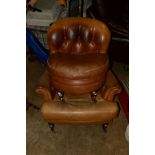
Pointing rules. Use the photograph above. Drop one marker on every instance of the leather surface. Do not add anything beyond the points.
(77, 73)
(102, 112)
(78, 35)
(80, 109)
(79, 66)
(78, 62)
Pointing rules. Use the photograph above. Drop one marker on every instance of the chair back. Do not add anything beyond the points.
(77, 35)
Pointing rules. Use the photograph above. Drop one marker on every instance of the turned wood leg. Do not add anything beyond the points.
(104, 126)
(93, 96)
(61, 96)
(51, 126)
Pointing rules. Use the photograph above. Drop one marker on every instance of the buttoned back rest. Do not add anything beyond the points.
(78, 35)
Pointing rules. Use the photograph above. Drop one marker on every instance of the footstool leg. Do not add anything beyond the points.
(93, 96)
(61, 96)
(104, 126)
(51, 126)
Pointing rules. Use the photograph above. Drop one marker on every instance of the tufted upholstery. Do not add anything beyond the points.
(78, 62)
(78, 36)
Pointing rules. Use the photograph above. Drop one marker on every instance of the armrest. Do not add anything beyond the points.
(111, 87)
(45, 93)
(44, 89)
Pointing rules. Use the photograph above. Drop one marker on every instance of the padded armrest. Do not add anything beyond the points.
(111, 87)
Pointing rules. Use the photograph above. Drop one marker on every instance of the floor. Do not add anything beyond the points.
(70, 139)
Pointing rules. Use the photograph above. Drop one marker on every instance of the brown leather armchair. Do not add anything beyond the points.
(78, 62)
(78, 66)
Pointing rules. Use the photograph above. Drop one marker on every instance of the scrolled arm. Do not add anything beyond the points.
(108, 93)
(45, 93)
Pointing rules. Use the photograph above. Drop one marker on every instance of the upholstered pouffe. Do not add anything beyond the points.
(77, 74)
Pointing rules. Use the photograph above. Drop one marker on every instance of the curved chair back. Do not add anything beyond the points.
(78, 35)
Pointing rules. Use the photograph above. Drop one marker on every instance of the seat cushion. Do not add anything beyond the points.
(86, 70)
(77, 66)
(79, 110)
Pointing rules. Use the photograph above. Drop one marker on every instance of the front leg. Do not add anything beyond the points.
(61, 96)
(104, 127)
(93, 96)
(51, 126)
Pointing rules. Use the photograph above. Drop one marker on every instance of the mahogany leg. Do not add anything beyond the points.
(104, 126)
(93, 96)
(51, 126)
(61, 96)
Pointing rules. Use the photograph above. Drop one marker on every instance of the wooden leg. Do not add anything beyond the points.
(104, 126)
(93, 96)
(61, 96)
(51, 126)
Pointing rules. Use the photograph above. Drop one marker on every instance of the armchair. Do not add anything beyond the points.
(77, 88)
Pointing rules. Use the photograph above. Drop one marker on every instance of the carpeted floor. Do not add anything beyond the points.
(69, 139)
